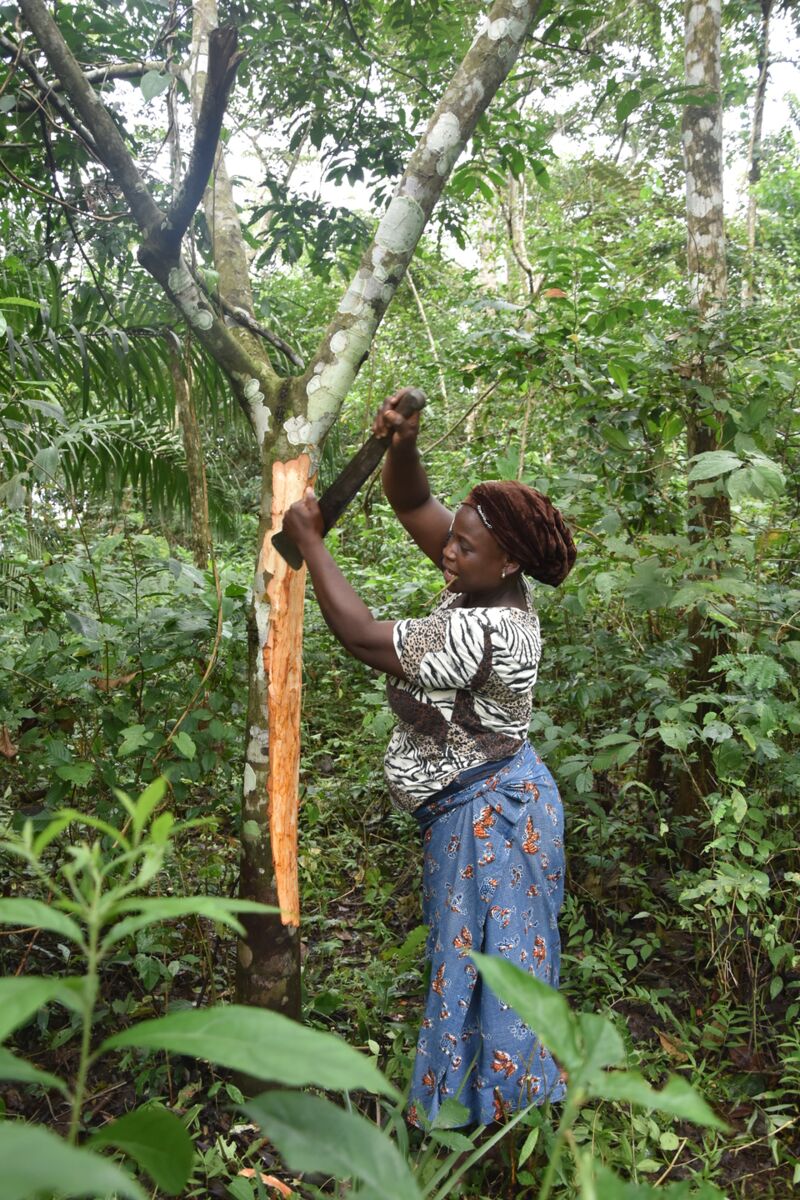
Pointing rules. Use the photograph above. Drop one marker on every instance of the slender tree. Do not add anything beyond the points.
(754, 148)
(709, 508)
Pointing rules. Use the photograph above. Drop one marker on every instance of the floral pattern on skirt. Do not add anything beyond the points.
(493, 881)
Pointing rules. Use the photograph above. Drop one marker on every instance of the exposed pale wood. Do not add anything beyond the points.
(283, 663)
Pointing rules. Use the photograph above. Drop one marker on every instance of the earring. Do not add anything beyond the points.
(503, 573)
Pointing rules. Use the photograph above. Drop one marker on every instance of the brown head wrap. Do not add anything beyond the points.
(525, 524)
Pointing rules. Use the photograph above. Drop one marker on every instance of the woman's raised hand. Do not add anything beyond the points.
(389, 421)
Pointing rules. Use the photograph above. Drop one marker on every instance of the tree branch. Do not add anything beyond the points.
(111, 71)
(254, 382)
(243, 318)
(223, 60)
(110, 146)
(347, 340)
(31, 104)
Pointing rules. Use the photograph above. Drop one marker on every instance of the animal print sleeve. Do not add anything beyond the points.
(446, 650)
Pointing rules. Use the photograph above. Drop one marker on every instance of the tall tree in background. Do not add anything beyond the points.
(755, 146)
(289, 415)
(709, 509)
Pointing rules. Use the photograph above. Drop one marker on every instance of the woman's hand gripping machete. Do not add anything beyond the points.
(336, 498)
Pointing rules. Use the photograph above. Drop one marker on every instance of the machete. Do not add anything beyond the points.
(335, 499)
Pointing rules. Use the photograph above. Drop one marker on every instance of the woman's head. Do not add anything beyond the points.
(527, 527)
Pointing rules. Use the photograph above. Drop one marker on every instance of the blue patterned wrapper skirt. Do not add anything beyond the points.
(493, 881)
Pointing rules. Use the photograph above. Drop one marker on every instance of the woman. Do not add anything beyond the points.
(460, 683)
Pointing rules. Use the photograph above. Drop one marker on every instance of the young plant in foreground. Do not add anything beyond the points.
(98, 899)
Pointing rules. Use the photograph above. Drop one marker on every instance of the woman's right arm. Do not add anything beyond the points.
(405, 482)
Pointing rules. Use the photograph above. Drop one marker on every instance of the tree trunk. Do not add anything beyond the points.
(195, 463)
(708, 505)
(754, 150)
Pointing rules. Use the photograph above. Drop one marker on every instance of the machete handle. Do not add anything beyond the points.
(336, 498)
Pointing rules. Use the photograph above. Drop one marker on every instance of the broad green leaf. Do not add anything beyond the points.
(451, 1115)
(615, 437)
(602, 1045)
(77, 773)
(312, 1134)
(23, 995)
(619, 375)
(22, 912)
(153, 84)
(678, 1098)
(148, 910)
(21, 1071)
(134, 738)
(540, 1006)
(184, 745)
(34, 1161)
(451, 1139)
(46, 463)
(627, 104)
(263, 1044)
(712, 463)
(674, 735)
(83, 624)
(156, 1140)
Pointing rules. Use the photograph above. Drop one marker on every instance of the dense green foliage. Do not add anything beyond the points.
(569, 361)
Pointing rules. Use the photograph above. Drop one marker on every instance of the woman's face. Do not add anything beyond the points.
(472, 561)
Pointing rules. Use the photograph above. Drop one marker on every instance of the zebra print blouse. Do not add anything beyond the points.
(467, 696)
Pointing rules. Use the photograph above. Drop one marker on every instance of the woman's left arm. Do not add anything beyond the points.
(345, 612)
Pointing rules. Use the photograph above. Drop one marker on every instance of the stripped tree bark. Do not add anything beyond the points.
(290, 416)
(708, 506)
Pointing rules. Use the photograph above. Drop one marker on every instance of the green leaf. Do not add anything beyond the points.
(22, 1071)
(23, 995)
(602, 1045)
(34, 1161)
(263, 1044)
(712, 463)
(451, 1139)
(615, 437)
(155, 1139)
(620, 376)
(134, 738)
(312, 1134)
(152, 795)
(627, 104)
(149, 910)
(153, 84)
(540, 1006)
(451, 1115)
(77, 773)
(46, 463)
(678, 1098)
(184, 745)
(675, 736)
(22, 912)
